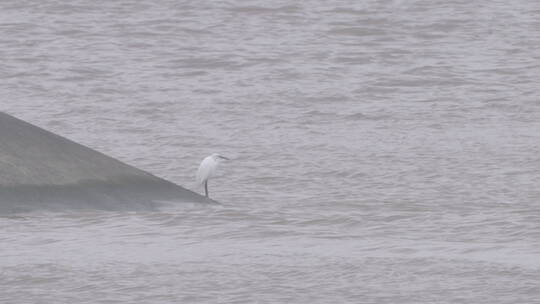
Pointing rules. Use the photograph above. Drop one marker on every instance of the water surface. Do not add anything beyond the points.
(383, 151)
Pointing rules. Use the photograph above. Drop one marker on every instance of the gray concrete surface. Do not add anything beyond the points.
(41, 170)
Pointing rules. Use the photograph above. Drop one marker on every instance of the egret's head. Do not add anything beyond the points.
(219, 157)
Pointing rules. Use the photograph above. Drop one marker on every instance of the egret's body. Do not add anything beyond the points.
(207, 169)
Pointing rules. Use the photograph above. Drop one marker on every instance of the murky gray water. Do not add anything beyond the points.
(384, 151)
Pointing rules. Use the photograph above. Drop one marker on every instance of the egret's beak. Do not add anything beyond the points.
(225, 158)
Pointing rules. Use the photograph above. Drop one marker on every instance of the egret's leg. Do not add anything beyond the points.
(206, 188)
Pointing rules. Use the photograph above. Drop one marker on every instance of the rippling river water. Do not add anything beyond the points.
(383, 151)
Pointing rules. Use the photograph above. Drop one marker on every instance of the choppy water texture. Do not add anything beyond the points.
(384, 151)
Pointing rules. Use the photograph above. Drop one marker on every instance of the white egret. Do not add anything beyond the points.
(207, 169)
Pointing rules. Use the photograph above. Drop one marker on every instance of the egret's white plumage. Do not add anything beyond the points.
(207, 169)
